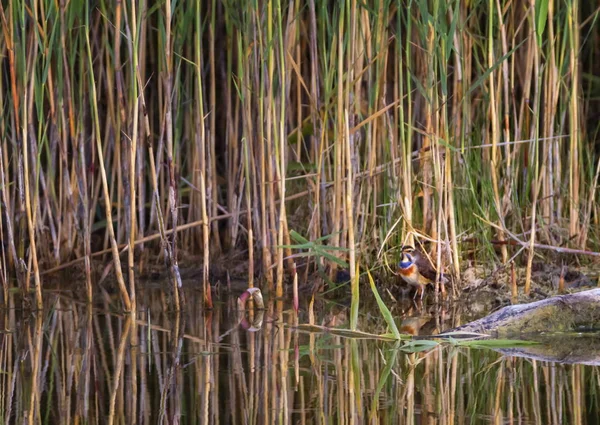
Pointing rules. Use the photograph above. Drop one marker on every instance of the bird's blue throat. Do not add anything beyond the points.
(406, 264)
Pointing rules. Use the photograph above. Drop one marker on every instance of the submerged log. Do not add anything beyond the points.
(562, 313)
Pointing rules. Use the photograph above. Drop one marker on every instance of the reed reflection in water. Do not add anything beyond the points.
(71, 365)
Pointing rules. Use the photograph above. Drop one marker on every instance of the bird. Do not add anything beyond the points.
(416, 270)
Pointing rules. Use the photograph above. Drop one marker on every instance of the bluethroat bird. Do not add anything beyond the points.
(416, 270)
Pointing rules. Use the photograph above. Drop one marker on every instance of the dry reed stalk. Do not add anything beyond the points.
(168, 122)
(212, 170)
(316, 227)
(294, 33)
(11, 258)
(175, 276)
(133, 141)
(261, 138)
(426, 171)
(585, 228)
(246, 157)
(237, 360)
(505, 93)
(561, 280)
(83, 196)
(338, 148)
(107, 199)
(574, 166)
(8, 31)
(3, 264)
(136, 88)
(11, 374)
(271, 144)
(295, 300)
(279, 115)
(119, 364)
(451, 218)
(140, 75)
(405, 195)
(235, 195)
(514, 290)
(349, 207)
(201, 143)
(552, 90)
(281, 360)
(537, 175)
(499, 391)
(30, 211)
(530, 253)
(576, 391)
(359, 27)
(339, 368)
(83, 403)
(495, 121)
(102, 348)
(35, 347)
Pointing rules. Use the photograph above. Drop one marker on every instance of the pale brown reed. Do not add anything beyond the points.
(215, 127)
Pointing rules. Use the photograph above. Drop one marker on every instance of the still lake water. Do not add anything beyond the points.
(74, 365)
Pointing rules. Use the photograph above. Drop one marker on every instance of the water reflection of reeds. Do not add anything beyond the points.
(70, 364)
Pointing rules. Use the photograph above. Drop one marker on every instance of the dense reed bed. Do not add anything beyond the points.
(211, 126)
(75, 364)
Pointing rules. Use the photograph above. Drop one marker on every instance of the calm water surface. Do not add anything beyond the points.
(72, 364)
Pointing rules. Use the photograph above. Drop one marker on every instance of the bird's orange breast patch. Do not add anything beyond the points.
(408, 271)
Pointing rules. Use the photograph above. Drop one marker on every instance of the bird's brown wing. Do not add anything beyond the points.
(425, 267)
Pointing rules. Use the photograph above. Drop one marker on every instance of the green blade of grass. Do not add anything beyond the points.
(389, 363)
(418, 345)
(385, 312)
(495, 343)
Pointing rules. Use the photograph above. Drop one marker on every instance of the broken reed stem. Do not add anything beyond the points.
(107, 199)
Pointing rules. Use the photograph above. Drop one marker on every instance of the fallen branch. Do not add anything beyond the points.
(559, 249)
(562, 313)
